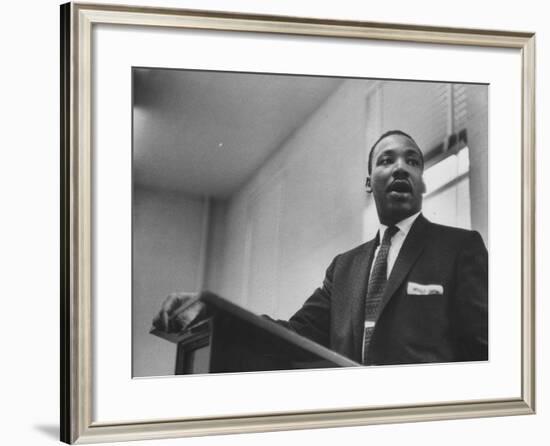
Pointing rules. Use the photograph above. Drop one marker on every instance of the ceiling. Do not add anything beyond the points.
(206, 133)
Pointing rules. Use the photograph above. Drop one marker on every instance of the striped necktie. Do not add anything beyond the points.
(375, 290)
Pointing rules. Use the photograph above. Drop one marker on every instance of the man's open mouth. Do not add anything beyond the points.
(400, 186)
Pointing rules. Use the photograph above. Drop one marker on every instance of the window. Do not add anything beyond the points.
(447, 198)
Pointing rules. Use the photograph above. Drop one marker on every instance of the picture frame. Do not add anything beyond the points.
(78, 21)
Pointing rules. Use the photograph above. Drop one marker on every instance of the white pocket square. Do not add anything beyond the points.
(418, 288)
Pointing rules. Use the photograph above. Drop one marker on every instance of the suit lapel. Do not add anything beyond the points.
(411, 249)
(360, 277)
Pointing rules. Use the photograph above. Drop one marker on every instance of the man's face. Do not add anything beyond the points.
(396, 179)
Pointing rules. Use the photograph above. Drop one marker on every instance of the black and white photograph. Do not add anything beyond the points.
(291, 220)
(286, 222)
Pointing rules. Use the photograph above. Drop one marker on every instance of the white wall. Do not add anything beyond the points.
(479, 157)
(299, 210)
(29, 234)
(167, 244)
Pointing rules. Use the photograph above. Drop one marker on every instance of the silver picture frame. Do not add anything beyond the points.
(77, 390)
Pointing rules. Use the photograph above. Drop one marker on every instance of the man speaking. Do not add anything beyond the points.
(416, 293)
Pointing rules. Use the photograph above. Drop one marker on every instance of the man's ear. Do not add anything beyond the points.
(369, 186)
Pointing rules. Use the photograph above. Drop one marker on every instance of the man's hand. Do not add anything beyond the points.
(177, 311)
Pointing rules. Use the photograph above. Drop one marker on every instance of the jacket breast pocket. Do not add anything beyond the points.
(424, 289)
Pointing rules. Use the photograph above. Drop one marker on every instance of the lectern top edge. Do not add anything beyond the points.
(275, 329)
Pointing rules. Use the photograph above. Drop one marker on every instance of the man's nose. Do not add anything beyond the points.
(400, 169)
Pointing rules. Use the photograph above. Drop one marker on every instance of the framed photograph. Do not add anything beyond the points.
(252, 204)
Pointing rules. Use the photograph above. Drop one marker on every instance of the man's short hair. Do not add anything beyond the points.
(390, 133)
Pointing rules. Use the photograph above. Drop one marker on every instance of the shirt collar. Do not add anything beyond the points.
(404, 225)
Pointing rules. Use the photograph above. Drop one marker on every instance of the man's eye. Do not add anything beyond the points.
(414, 162)
(385, 161)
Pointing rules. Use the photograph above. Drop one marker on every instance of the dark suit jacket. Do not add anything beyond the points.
(411, 328)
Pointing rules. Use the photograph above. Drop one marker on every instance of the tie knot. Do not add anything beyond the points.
(390, 232)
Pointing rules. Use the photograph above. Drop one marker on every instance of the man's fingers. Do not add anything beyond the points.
(158, 323)
(164, 318)
(169, 303)
(169, 306)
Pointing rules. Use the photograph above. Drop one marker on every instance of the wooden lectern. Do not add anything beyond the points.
(232, 339)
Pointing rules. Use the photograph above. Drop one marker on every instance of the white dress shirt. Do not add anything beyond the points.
(397, 240)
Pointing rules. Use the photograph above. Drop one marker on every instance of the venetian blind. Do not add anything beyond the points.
(430, 112)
